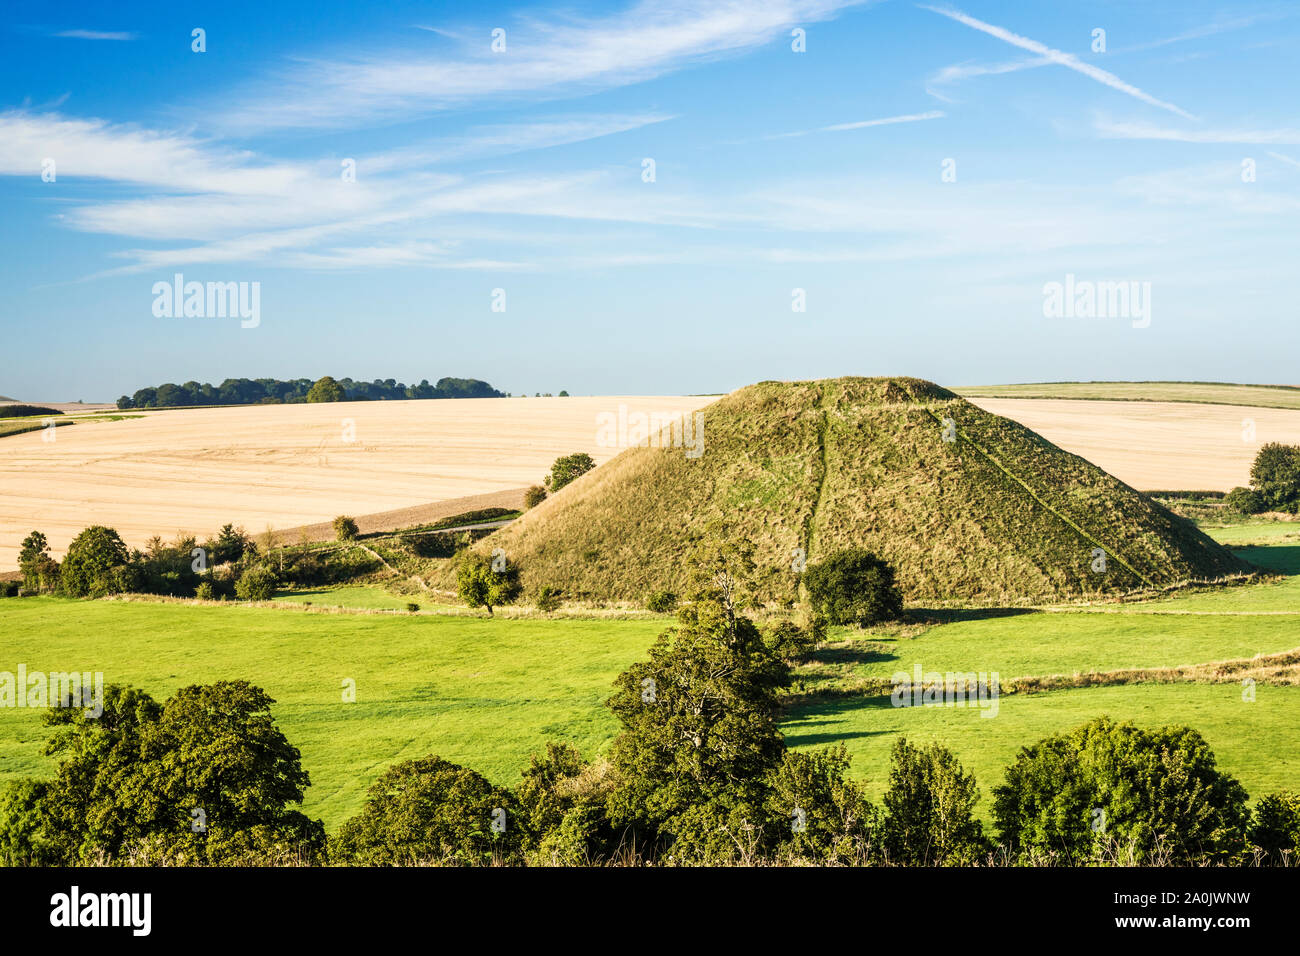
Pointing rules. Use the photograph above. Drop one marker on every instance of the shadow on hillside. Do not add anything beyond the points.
(952, 615)
(855, 654)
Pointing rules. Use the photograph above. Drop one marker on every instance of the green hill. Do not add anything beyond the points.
(997, 515)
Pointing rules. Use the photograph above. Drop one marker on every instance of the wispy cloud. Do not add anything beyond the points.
(1111, 129)
(95, 35)
(1059, 57)
(1285, 159)
(864, 124)
(542, 59)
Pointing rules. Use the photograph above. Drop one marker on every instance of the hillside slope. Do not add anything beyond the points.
(996, 515)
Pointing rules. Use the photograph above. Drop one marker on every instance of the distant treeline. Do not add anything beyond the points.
(271, 391)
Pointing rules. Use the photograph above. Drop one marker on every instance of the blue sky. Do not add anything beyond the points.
(522, 170)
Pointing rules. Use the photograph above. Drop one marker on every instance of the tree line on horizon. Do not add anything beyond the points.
(271, 391)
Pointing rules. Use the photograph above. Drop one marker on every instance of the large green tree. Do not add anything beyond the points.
(1147, 794)
(567, 468)
(206, 777)
(326, 389)
(1276, 476)
(97, 563)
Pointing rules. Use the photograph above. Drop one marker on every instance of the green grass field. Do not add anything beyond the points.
(487, 693)
(1215, 393)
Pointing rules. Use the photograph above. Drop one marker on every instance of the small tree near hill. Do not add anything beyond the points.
(256, 584)
(345, 528)
(853, 587)
(568, 468)
(534, 496)
(480, 584)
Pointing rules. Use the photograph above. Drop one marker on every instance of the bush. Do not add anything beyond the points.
(1151, 793)
(1276, 827)
(9, 588)
(1245, 501)
(534, 496)
(547, 599)
(853, 587)
(96, 564)
(205, 591)
(430, 811)
(345, 528)
(661, 602)
(412, 607)
(567, 468)
(826, 816)
(256, 584)
(929, 807)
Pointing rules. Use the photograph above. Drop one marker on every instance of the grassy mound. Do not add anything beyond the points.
(995, 515)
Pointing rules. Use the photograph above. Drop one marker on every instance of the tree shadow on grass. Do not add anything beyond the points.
(829, 710)
(952, 615)
(1275, 558)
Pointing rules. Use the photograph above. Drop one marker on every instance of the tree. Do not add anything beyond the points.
(326, 389)
(256, 584)
(534, 496)
(479, 584)
(97, 563)
(230, 545)
(1276, 476)
(430, 811)
(699, 729)
(853, 587)
(1150, 793)
(40, 571)
(929, 809)
(204, 778)
(345, 528)
(567, 468)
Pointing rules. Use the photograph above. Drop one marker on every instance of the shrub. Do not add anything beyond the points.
(22, 833)
(412, 607)
(479, 585)
(1275, 828)
(1276, 476)
(430, 810)
(256, 584)
(1153, 792)
(345, 528)
(853, 587)
(205, 591)
(567, 468)
(9, 588)
(547, 599)
(929, 809)
(534, 496)
(1245, 501)
(96, 564)
(790, 642)
(661, 602)
(229, 546)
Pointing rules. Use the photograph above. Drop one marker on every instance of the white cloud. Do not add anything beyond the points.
(542, 59)
(1111, 129)
(95, 35)
(1068, 60)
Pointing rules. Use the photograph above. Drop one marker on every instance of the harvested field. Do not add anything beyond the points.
(1155, 445)
(289, 465)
